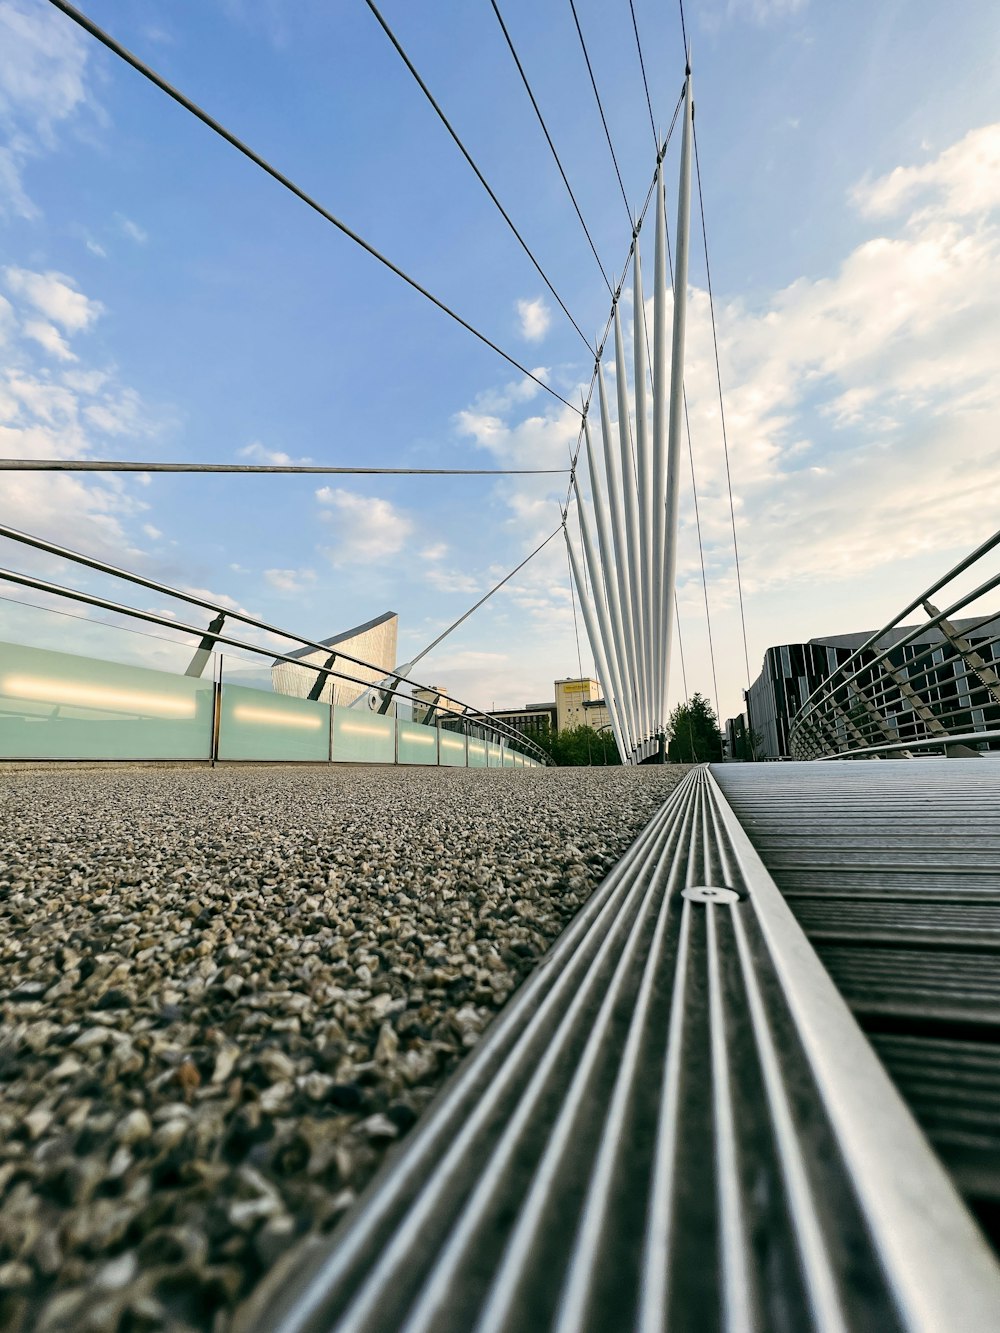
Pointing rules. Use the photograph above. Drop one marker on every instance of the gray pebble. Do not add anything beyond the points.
(226, 993)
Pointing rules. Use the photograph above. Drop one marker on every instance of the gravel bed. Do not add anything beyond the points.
(224, 994)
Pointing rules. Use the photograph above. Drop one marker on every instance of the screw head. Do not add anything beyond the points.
(710, 893)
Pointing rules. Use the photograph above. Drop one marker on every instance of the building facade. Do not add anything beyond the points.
(578, 703)
(928, 673)
(374, 642)
(429, 703)
(533, 717)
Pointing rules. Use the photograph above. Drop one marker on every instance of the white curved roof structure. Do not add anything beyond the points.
(374, 642)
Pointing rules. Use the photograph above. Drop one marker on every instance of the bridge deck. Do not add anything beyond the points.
(677, 1123)
(893, 871)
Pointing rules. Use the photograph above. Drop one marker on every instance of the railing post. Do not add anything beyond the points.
(216, 714)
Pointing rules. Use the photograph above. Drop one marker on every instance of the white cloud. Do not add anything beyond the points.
(535, 317)
(55, 296)
(51, 412)
(369, 529)
(290, 580)
(275, 457)
(131, 229)
(451, 581)
(765, 11)
(96, 249)
(436, 551)
(49, 337)
(963, 180)
(43, 60)
(154, 534)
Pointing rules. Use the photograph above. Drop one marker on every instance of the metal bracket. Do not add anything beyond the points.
(204, 651)
(319, 684)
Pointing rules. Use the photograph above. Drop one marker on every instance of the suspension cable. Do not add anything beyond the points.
(576, 632)
(684, 682)
(113, 465)
(684, 34)
(485, 598)
(722, 410)
(642, 66)
(468, 157)
(147, 72)
(701, 556)
(597, 95)
(548, 138)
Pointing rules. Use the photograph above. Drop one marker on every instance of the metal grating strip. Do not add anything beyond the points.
(675, 1124)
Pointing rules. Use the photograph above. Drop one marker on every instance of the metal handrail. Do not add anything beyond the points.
(926, 742)
(501, 729)
(830, 708)
(914, 605)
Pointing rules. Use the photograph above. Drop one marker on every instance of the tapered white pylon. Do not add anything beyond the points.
(632, 566)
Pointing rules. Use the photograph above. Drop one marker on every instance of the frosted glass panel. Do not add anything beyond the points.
(452, 749)
(493, 751)
(417, 744)
(258, 725)
(477, 753)
(509, 761)
(58, 706)
(363, 738)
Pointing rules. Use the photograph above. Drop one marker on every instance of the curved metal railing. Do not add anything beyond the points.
(386, 684)
(909, 686)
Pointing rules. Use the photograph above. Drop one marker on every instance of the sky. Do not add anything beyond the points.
(163, 299)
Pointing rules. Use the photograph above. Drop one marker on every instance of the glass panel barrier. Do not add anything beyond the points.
(452, 748)
(509, 759)
(258, 725)
(417, 744)
(493, 754)
(59, 706)
(363, 738)
(477, 753)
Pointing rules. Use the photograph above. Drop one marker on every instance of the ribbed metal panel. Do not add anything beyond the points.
(954, 1089)
(675, 1124)
(917, 983)
(893, 871)
(958, 925)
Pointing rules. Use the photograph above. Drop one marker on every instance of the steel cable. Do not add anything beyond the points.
(111, 465)
(468, 157)
(147, 72)
(642, 66)
(600, 107)
(722, 410)
(548, 138)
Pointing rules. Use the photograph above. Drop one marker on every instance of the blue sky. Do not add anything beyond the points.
(163, 299)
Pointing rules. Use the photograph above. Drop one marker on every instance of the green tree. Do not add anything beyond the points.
(576, 746)
(694, 732)
(749, 743)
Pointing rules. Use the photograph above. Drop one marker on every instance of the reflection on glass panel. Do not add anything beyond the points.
(493, 754)
(477, 753)
(363, 738)
(452, 749)
(58, 706)
(417, 743)
(257, 725)
(509, 761)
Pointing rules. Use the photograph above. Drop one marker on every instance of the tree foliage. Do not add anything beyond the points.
(694, 732)
(748, 742)
(576, 746)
